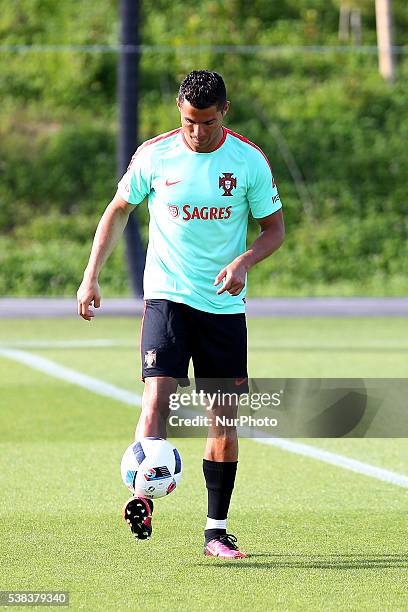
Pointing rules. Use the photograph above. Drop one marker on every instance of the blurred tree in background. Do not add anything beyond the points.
(334, 131)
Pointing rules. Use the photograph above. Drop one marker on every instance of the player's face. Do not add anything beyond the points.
(202, 127)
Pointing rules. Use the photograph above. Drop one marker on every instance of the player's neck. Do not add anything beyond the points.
(209, 148)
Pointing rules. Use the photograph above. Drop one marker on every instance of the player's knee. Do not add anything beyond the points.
(156, 403)
(225, 436)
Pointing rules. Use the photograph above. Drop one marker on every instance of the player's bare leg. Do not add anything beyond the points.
(155, 407)
(152, 422)
(222, 442)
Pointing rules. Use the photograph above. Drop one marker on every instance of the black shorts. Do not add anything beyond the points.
(174, 333)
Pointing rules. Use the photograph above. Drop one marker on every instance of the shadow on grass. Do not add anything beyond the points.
(304, 561)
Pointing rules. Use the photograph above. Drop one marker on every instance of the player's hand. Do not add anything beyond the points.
(233, 277)
(87, 293)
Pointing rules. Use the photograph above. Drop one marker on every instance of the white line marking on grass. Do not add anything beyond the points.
(82, 380)
(107, 390)
(64, 344)
(338, 460)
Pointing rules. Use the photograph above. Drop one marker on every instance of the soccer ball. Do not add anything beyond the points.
(151, 467)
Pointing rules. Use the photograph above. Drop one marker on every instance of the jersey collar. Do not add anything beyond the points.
(224, 135)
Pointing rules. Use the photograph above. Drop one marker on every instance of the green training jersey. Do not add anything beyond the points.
(199, 205)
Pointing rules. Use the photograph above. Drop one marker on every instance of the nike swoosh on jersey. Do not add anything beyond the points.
(240, 381)
(169, 183)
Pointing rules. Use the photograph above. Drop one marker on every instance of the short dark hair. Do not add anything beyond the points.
(203, 89)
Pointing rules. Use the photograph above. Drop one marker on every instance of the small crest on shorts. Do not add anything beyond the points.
(150, 358)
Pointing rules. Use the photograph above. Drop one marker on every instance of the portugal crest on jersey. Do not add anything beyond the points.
(227, 182)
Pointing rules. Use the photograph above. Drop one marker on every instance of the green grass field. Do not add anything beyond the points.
(320, 537)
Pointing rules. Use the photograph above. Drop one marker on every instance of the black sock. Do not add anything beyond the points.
(219, 479)
(210, 534)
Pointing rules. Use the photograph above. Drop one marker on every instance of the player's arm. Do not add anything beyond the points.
(269, 240)
(108, 232)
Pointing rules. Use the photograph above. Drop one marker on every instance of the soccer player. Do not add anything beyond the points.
(201, 180)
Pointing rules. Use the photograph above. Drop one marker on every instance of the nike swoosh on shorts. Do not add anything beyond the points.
(240, 381)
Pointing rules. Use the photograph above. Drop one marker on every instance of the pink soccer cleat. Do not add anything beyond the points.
(224, 547)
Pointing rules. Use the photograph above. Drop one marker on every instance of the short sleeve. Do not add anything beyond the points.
(135, 184)
(262, 194)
